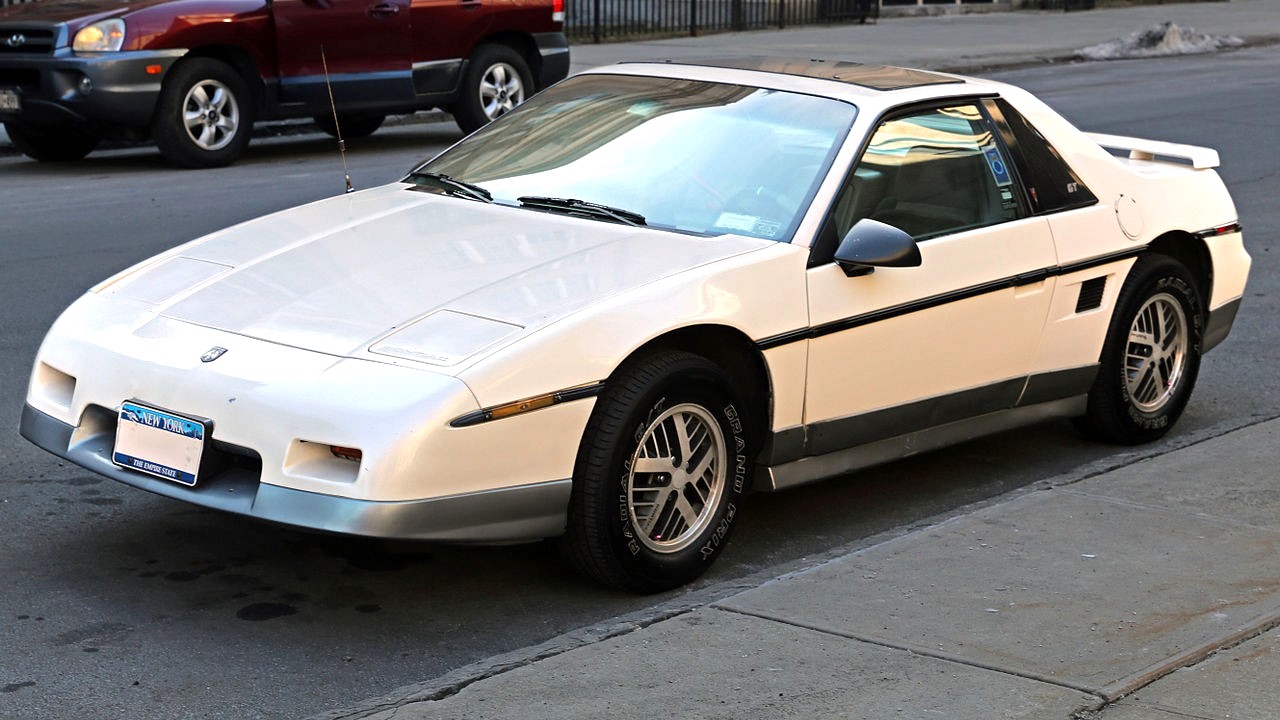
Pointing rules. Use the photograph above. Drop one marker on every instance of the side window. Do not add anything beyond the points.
(1051, 184)
(930, 173)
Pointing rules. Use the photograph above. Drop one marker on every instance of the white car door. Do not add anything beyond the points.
(903, 349)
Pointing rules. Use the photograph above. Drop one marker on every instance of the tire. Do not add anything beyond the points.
(50, 144)
(627, 527)
(1151, 356)
(353, 127)
(204, 115)
(497, 79)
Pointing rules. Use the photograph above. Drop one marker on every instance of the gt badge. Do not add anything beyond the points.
(214, 353)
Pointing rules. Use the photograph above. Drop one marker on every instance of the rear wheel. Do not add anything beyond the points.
(203, 116)
(496, 80)
(660, 474)
(1151, 356)
(352, 126)
(50, 144)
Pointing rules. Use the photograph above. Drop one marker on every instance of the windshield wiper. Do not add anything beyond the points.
(451, 186)
(573, 206)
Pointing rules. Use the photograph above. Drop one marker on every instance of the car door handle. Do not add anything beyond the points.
(383, 9)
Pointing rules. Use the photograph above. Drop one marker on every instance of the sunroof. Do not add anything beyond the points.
(876, 77)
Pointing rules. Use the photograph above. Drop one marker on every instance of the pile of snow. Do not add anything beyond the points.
(1163, 39)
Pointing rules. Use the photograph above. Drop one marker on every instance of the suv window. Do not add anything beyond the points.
(1051, 184)
(929, 173)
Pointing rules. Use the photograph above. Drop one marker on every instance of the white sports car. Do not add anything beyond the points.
(647, 291)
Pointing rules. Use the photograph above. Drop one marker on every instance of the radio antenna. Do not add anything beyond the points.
(337, 129)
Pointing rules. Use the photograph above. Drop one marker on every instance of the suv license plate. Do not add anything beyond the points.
(159, 443)
(10, 101)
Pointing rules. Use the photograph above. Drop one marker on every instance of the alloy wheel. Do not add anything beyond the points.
(1156, 352)
(500, 90)
(676, 478)
(210, 115)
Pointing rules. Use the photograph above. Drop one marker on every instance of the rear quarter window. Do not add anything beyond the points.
(1050, 182)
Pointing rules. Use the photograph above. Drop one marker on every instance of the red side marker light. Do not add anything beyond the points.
(154, 69)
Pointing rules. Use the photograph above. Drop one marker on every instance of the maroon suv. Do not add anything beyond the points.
(194, 75)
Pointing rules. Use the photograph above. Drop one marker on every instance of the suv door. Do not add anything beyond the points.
(903, 349)
(365, 45)
(444, 32)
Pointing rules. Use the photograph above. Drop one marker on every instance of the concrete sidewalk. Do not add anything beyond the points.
(1156, 584)
(962, 42)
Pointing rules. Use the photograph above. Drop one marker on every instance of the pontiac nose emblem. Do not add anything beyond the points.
(16, 40)
(213, 354)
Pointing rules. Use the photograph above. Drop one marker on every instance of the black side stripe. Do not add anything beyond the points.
(1028, 278)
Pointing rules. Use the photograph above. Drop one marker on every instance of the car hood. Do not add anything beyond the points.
(57, 11)
(342, 274)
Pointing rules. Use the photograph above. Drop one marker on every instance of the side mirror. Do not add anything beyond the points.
(870, 244)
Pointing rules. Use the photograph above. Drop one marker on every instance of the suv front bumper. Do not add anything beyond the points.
(122, 87)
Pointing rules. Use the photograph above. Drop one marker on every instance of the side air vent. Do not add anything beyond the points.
(1091, 294)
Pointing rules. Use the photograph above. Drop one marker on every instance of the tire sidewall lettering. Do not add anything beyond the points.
(1185, 295)
(716, 535)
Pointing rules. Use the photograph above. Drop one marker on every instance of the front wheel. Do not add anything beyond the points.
(660, 474)
(1151, 356)
(203, 116)
(50, 144)
(496, 80)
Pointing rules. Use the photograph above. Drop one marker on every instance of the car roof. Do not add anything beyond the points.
(870, 76)
(871, 87)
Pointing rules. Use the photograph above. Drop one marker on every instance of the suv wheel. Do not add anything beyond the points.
(203, 117)
(496, 80)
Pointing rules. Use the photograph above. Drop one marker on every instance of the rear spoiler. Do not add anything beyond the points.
(1140, 149)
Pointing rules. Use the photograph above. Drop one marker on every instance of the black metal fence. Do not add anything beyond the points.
(604, 20)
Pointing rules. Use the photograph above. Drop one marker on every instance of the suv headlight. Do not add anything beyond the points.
(102, 36)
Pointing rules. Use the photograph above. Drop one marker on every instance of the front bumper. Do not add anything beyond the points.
(274, 410)
(502, 515)
(123, 93)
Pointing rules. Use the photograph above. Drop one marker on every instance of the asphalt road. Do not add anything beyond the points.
(121, 604)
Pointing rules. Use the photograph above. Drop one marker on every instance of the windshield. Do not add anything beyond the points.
(695, 157)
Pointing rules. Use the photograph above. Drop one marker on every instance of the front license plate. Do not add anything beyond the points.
(10, 101)
(159, 443)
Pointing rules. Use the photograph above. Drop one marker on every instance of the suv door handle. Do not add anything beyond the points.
(383, 9)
